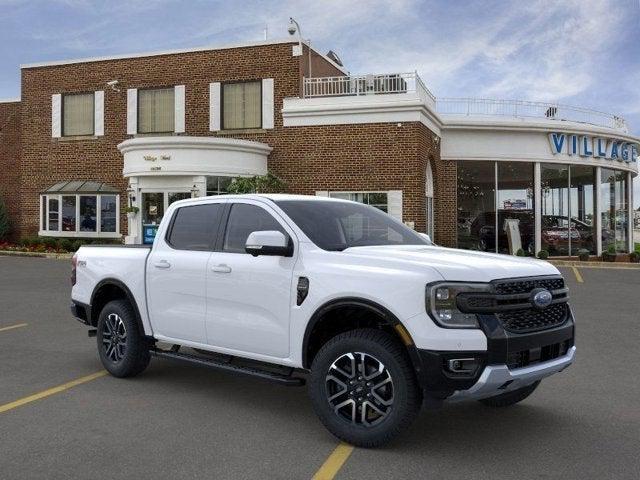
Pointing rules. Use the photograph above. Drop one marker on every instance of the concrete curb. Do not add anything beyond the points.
(55, 256)
(603, 265)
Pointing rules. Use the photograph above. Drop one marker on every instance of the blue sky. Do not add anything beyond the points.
(581, 52)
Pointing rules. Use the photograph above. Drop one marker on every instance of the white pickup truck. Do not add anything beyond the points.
(296, 288)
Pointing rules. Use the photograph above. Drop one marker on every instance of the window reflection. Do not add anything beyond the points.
(476, 205)
(516, 220)
(613, 201)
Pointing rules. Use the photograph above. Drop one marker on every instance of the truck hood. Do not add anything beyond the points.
(459, 265)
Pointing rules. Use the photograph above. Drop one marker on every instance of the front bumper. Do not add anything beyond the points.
(498, 379)
(509, 356)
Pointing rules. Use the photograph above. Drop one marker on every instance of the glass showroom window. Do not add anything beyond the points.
(476, 205)
(218, 185)
(242, 105)
(613, 208)
(516, 211)
(156, 110)
(375, 199)
(78, 215)
(78, 114)
(555, 208)
(582, 196)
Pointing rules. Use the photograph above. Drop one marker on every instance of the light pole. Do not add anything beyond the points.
(293, 28)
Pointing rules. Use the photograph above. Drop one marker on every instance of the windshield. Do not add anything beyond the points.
(338, 225)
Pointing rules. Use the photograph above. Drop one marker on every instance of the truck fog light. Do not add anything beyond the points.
(465, 366)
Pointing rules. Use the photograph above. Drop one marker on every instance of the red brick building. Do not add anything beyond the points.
(90, 137)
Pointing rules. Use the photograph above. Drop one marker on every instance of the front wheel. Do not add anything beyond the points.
(510, 398)
(122, 347)
(363, 387)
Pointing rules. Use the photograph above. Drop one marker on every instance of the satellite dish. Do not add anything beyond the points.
(334, 56)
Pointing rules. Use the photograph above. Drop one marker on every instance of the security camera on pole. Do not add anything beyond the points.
(292, 29)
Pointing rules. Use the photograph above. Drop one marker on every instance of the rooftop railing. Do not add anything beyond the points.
(357, 85)
(526, 109)
(399, 83)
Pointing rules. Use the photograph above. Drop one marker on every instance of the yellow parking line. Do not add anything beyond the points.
(577, 274)
(11, 327)
(333, 464)
(52, 391)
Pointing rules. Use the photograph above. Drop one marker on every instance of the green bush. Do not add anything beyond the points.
(543, 254)
(583, 254)
(634, 257)
(521, 253)
(65, 244)
(49, 242)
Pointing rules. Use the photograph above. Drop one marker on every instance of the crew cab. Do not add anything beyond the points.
(293, 289)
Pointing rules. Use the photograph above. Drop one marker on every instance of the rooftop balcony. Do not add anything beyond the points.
(411, 83)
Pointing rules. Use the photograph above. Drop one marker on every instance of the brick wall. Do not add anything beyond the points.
(10, 159)
(46, 161)
(338, 157)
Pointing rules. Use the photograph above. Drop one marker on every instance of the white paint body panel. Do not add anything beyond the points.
(251, 311)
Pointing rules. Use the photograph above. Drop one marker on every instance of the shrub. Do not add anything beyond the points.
(521, 253)
(75, 245)
(268, 183)
(634, 257)
(583, 254)
(543, 254)
(65, 244)
(5, 226)
(48, 242)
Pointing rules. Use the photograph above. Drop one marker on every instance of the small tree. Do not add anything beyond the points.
(5, 226)
(268, 183)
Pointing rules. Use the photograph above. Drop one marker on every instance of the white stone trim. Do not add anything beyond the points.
(10, 100)
(132, 111)
(394, 203)
(98, 113)
(179, 113)
(268, 107)
(56, 115)
(322, 193)
(390, 108)
(176, 52)
(185, 155)
(214, 107)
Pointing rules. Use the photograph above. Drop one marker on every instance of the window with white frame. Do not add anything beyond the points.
(78, 114)
(375, 199)
(156, 110)
(242, 105)
(217, 185)
(68, 211)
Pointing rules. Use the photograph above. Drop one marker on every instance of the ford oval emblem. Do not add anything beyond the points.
(542, 298)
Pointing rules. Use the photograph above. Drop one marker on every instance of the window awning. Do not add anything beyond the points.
(81, 186)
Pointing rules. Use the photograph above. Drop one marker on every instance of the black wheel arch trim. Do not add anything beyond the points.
(116, 283)
(389, 318)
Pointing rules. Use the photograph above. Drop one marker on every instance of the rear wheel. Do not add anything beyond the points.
(363, 387)
(122, 347)
(510, 398)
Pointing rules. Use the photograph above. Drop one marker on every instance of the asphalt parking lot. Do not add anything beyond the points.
(177, 421)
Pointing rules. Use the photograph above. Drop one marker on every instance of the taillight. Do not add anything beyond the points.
(74, 265)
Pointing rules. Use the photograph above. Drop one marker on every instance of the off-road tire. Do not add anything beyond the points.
(133, 352)
(510, 398)
(407, 394)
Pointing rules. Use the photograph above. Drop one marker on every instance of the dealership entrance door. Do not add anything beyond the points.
(154, 204)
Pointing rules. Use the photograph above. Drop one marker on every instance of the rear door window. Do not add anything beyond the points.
(195, 227)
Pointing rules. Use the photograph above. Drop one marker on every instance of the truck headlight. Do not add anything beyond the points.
(442, 304)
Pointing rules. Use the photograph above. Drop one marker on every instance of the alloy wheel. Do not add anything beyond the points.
(360, 389)
(114, 337)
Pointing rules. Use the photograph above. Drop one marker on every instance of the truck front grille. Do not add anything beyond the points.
(511, 302)
(531, 320)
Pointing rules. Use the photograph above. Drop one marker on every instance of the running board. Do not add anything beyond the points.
(287, 380)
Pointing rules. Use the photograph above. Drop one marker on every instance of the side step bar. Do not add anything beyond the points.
(283, 379)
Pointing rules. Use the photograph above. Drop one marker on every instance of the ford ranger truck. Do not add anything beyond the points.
(370, 314)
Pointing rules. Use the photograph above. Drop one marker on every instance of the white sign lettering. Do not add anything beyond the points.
(597, 147)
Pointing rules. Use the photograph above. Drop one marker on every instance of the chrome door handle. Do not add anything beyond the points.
(222, 268)
(162, 264)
